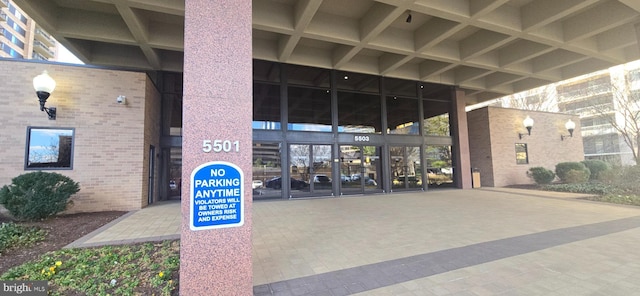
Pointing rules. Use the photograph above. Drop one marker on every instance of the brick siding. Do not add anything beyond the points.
(111, 140)
(494, 133)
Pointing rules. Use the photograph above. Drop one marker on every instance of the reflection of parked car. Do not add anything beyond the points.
(367, 181)
(321, 179)
(173, 185)
(276, 183)
(344, 178)
(256, 184)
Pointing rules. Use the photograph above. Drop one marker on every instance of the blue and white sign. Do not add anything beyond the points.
(217, 196)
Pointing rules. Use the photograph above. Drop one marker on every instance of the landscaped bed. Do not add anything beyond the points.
(34, 252)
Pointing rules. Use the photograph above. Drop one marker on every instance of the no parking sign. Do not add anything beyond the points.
(217, 196)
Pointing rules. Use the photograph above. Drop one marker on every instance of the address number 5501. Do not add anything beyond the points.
(220, 146)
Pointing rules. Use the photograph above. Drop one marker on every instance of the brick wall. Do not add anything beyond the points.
(493, 136)
(480, 145)
(111, 140)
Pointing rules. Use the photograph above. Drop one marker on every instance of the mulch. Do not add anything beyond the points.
(61, 231)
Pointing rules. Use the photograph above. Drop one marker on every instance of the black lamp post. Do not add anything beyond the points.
(44, 86)
(528, 124)
(570, 126)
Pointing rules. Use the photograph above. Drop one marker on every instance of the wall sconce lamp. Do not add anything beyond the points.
(570, 126)
(44, 86)
(528, 124)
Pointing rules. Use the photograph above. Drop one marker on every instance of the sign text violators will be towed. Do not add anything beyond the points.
(217, 196)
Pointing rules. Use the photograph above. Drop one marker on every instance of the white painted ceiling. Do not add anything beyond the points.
(489, 48)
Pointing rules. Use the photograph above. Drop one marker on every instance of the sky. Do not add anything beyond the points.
(65, 56)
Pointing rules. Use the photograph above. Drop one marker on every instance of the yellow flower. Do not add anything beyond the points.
(161, 274)
(52, 268)
(58, 263)
(42, 272)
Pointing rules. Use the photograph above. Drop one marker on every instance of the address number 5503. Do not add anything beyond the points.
(220, 146)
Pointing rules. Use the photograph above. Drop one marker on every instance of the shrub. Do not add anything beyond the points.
(589, 188)
(577, 176)
(541, 175)
(563, 168)
(624, 179)
(596, 167)
(37, 195)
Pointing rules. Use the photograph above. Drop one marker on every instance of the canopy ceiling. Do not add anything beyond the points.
(489, 48)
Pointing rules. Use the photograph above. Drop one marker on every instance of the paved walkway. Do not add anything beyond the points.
(488, 241)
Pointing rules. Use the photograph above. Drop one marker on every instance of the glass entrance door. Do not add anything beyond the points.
(360, 169)
(405, 167)
(310, 170)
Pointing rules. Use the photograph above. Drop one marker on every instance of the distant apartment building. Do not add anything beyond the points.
(21, 37)
(598, 98)
(602, 98)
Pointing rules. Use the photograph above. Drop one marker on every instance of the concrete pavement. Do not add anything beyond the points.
(487, 241)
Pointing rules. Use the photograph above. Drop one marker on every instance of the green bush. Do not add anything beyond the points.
(541, 175)
(589, 188)
(37, 195)
(577, 176)
(563, 168)
(596, 167)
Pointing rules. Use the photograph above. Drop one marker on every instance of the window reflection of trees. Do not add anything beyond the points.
(49, 148)
(301, 164)
(437, 125)
(401, 166)
(299, 161)
(439, 164)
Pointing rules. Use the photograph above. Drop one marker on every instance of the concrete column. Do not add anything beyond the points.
(217, 105)
(462, 160)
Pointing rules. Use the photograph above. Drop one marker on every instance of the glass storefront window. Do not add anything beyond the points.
(266, 71)
(175, 172)
(356, 82)
(310, 169)
(267, 171)
(402, 116)
(436, 118)
(266, 106)
(309, 109)
(400, 87)
(360, 169)
(309, 99)
(439, 165)
(308, 76)
(359, 113)
(405, 167)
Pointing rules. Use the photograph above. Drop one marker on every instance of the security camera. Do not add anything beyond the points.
(121, 100)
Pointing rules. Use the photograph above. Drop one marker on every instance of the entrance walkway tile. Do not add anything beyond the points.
(463, 242)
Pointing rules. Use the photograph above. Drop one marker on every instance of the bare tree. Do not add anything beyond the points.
(299, 157)
(618, 104)
(539, 99)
